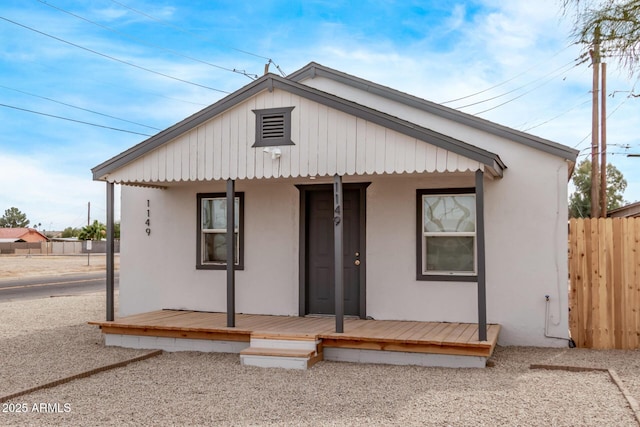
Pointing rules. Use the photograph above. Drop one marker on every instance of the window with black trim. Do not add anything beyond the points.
(446, 233)
(212, 231)
(273, 127)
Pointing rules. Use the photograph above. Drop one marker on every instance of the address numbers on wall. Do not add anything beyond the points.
(148, 221)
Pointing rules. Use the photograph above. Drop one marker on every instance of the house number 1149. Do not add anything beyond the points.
(148, 221)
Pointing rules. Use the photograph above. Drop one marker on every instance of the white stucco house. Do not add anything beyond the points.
(445, 217)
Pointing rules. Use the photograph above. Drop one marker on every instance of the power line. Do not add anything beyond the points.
(137, 40)
(610, 114)
(506, 81)
(568, 65)
(111, 57)
(78, 108)
(559, 115)
(73, 120)
(170, 25)
(519, 96)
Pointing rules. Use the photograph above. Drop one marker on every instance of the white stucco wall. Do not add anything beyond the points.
(158, 271)
(525, 246)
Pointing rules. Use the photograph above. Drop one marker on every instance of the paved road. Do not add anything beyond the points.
(60, 285)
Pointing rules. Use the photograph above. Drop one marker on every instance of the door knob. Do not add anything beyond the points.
(356, 262)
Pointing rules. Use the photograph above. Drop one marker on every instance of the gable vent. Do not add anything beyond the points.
(273, 127)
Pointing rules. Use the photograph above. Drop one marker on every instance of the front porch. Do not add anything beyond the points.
(282, 337)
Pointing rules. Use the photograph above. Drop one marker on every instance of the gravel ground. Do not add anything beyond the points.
(13, 266)
(214, 389)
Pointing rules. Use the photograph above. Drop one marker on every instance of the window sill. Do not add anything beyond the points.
(217, 267)
(447, 278)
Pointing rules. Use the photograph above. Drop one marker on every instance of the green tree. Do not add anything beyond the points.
(70, 232)
(580, 200)
(95, 231)
(13, 218)
(617, 21)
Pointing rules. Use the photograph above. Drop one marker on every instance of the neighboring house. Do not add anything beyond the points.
(436, 228)
(631, 210)
(21, 235)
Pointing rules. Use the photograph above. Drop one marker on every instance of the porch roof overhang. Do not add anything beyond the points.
(464, 156)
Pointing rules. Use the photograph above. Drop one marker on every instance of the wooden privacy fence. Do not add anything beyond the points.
(604, 282)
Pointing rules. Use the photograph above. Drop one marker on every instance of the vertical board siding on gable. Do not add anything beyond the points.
(241, 154)
(154, 165)
(370, 148)
(409, 158)
(185, 165)
(217, 149)
(202, 152)
(169, 165)
(322, 146)
(302, 139)
(327, 132)
(234, 135)
(420, 157)
(381, 150)
(326, 141)
(177, 160)
(208, 151)
(162, 163)
(441, 160)
(250, 153)
(312, 137)
(259, 104)
(224, 141)
(399, 154)
(350, 145)
(431, 160)
(283, 166)
(390, 152)
(361, 136)
(341, 142)
(193, 154)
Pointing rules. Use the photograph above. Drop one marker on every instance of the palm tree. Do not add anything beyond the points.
(95, 231)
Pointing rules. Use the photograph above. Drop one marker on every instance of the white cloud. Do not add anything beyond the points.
(48, 194)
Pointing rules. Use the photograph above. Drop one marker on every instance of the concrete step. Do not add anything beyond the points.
(285, 343)
(282, 353)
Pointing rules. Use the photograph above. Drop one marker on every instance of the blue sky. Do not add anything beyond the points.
(134, 67)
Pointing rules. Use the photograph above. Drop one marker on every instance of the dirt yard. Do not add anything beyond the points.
(14, 266)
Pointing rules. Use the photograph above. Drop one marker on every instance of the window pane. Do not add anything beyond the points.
(215, 248)
(450, 213)
(450, 254)
(214, 213)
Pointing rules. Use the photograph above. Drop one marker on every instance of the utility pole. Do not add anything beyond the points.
(595, 175)
(603, 144)
(88, 245)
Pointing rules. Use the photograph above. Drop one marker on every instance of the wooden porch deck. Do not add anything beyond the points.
(403, 336)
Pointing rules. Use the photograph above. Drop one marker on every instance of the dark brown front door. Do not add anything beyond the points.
(320, 280)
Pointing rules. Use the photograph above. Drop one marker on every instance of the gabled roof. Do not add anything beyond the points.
(313, 69)
(626, 211)
(492, 161)
(18, 233)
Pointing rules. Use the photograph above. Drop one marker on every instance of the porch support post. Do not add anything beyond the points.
(231, 250)
(110, 252)
(482, 283)
(338, 252)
